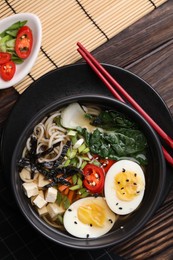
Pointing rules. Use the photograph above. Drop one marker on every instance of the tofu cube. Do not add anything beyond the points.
(30, 189)
(39, 201)
(40, 192)
(43, 211)
(51, 194)
(42, 181)
(54, 209)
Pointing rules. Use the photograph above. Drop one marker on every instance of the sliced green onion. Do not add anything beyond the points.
(75, 187)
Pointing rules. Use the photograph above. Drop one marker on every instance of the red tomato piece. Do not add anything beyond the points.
(4, 57)
(7, 70)
(93, 178)
(24, 42)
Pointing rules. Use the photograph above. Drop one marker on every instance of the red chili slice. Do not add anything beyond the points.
(106, 163)
(4, 57)
(7, 70)
(93, 178)
(24, 42)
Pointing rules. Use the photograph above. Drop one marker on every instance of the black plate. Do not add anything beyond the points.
(79, 79)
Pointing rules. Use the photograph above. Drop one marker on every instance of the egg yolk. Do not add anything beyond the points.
(128, 185)
(92, 214)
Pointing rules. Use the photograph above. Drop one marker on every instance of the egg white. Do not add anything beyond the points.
(122, 207)
(78, 229)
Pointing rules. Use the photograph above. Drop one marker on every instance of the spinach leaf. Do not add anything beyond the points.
(119, 139)
(117, 145)
(111, 120)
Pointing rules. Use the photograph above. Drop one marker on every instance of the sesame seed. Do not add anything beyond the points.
(120, 208)
(104, 164)
(87, 235)
(75, 222)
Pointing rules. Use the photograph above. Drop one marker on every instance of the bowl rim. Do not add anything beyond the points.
(23, 208)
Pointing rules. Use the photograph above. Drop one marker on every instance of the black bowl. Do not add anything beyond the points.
(127, 226)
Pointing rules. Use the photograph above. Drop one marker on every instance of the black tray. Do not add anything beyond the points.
(79, 79)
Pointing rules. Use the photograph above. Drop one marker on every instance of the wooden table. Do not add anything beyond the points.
(146, 49)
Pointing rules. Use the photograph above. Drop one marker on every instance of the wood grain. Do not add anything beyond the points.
(145, 48)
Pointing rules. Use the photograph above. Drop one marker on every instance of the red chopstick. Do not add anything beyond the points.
(107, 79)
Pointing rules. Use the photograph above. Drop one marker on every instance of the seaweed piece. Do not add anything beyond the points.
(50, 170)
(65, 171)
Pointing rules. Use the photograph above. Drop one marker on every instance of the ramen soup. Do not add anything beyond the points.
(83, 167)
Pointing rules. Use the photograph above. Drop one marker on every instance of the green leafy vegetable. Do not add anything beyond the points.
(8, 38)
(121, 137)
(112, 120)
(13, 27)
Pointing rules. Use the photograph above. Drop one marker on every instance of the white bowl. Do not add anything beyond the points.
(23, 69)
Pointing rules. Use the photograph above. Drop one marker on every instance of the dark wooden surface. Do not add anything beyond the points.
(145, 48)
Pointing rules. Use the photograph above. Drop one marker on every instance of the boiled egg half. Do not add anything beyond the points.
(89, 218)
(124, 186)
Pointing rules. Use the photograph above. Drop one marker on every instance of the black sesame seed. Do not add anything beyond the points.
(120, 208)
(138, 192)
(117, 203)
(122, 188)
(75, 222)
(135, 183)
(118, 182)
(127, 180)
(69, 209)
(110, 220)
(87, 235)
(123, 193)
(123, 170)
(91, 225)
(135, 174)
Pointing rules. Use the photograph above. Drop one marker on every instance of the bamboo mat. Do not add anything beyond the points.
(64, 22)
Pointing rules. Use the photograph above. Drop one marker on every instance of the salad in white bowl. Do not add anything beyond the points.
(20, 41)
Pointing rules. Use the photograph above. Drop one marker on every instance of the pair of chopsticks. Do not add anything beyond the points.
(108, 80)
